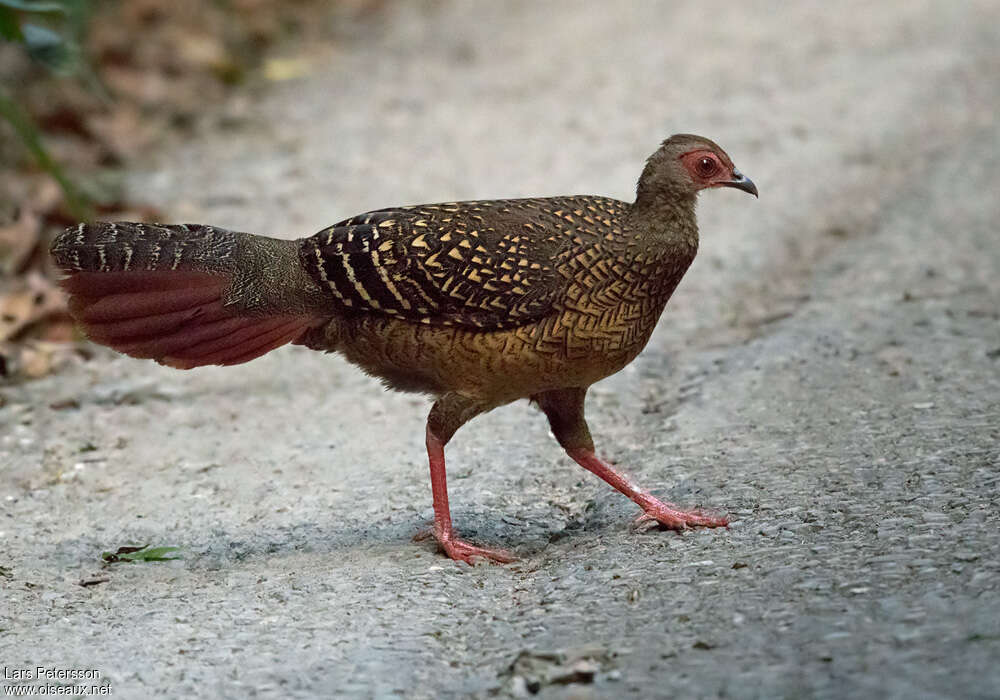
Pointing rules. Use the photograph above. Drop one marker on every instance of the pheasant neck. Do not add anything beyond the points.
(665, 227)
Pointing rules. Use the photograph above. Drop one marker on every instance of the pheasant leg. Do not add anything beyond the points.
(564, 408)
(668, 515)
(441, 425)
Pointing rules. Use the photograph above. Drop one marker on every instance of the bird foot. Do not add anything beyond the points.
(460, 550)
(673, 518)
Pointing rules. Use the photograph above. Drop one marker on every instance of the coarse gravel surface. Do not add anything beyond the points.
(828, 374)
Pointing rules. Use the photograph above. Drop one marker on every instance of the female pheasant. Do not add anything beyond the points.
(477, 304)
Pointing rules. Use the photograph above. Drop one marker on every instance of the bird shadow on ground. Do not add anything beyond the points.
(537, 543)
(224, 547)
(526, 537)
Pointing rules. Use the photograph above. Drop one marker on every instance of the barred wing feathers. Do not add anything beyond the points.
(486, 265)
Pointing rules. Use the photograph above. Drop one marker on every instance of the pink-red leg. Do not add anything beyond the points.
(653, 509)
(454, 546)
(564, 408)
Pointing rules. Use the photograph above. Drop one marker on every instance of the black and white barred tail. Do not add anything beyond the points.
(184, 295)
(133, 247)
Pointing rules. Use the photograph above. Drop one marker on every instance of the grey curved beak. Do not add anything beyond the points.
(741, 182)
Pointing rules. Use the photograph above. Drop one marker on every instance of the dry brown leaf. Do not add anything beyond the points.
(36, 362)
(31, 300)
(35, 359)
(198, 51)
(18, 240)
(132, 83)
(46, 195)
(124, 131)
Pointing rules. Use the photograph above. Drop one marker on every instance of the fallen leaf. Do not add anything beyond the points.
(124, 132)
(18, 241)
(35, 358)
(143, 553)
(31, 300)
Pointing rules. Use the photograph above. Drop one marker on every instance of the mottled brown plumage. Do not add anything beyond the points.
(475, 303)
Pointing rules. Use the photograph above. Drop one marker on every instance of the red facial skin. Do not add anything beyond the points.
(720, 173)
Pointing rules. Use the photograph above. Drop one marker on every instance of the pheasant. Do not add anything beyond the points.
(476, 304)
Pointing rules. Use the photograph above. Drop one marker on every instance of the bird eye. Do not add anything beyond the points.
(706, 166)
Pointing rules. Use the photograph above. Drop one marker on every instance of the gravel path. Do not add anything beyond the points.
(828, 374)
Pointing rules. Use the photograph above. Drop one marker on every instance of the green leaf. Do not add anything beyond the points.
(50, 49)
(10, 28)
(143, 553)
(155, 554)
(34, 5)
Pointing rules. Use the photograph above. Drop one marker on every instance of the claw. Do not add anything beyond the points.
(645, 521)
(675, 519)
(460, 550)
(667, 515)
